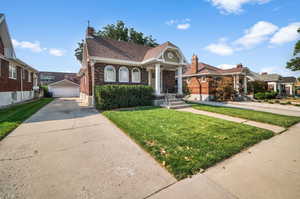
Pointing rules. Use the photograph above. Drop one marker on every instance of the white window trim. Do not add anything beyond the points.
(123, 67)
(11, 70)
(139, 77)
(105, 74)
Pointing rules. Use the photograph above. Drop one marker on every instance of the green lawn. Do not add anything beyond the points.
(12, 117)
(185, 142)
(259, 116)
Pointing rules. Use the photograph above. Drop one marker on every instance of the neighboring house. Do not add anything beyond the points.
(60, 84)
(46, 77)
(202, 79)
(17, 79)
(107, 61)
(297, 88)
(285, 86)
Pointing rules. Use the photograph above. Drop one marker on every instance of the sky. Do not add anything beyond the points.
(260, 34)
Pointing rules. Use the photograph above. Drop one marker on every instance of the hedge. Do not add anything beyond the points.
(265, 95)
(122, 96)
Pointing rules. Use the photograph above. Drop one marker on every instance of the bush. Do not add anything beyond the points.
(121, 96)
(265, 95)
(46, 91)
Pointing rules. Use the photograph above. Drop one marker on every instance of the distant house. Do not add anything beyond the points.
(202, 79)
(60, 84)
(107, 61)
(285, 86)
(17, 79)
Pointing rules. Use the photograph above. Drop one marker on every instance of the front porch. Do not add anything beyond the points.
(165, 79)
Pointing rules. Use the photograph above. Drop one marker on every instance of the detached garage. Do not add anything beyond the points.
(64, 88)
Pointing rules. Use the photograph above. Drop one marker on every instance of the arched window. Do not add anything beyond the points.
(109, 74)
(123, 74)
(136, 75)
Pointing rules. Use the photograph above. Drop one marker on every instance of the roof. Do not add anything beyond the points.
(57, 76)
(288, 79)
(122, 50)
(23, 64)
(269, 77)
(204, 68)
(64, 81)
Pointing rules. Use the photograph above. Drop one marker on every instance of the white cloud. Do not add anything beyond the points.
(258, 33)
(234, 6)
(34, 47)
(56, 52)
(286, 34)
(220, 49)
(226, 66)
(183, 26)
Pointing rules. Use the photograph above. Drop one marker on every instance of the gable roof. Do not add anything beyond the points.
(122, 50)
(269, 77)
(204, 68)
(288, 79)
(64, 81)
(6, 39)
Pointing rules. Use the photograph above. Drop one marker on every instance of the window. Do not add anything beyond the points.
(12, 72)
(29, 76)
(123, 74)
(136, 75)
(109, 74)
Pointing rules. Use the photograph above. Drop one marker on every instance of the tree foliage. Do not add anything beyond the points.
(294, 63)
(224, 90)
(120, 32)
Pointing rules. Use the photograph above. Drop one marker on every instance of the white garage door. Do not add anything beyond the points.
(65, 91)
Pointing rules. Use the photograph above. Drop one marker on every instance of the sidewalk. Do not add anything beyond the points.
(270, 169)
(275, 129)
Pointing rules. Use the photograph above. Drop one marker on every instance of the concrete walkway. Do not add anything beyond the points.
(69, 151)
(271, 108)
(270, 169)
(274, 128)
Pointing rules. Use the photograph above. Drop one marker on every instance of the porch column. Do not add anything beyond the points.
(245, 85)
(179, 80)
(149, 77)
(157, 79)
(238, 84)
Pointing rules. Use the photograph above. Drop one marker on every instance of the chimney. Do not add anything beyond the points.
(239, 66)
(264, 73)
(90, 32)
(194, 67)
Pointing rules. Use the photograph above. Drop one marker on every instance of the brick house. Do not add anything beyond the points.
(201, 79)
(17, 79)
(107, 61)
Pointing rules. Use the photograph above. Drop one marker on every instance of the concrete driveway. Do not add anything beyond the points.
(70, 151)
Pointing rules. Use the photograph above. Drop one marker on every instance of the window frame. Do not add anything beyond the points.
(127, 70)
(12, 72)
(106, 76)
(139, 75)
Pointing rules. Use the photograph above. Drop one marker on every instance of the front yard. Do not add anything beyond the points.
(185, 143)
(259, 116)
(12, 117)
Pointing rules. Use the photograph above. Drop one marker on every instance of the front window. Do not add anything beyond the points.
(136, 75)
(109, 74)
(12, 72)
(123, 74)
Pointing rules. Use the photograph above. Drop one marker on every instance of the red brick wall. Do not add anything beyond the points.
(7, 84)
(99, 74)
(86, 81)
(196, 86)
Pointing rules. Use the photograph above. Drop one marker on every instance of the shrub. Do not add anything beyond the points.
(121, 96)
(46, 91)
(224, 90)
(265, 95)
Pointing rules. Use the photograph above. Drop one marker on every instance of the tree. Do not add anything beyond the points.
(294, 63)
(119, 32)
(224, 90)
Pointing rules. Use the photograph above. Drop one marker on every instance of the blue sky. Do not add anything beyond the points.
(258, 33)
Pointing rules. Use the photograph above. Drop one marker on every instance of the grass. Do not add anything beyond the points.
(259, 116)
(12, 117)
(185, 143)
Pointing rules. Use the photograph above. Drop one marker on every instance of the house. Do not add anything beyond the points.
(285, 86)
(60, 84)
(107, 61)
(202, 79)
(47, 77)
(17, 79)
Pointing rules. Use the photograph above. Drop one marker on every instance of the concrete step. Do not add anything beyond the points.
(177, 102)
(176, 106)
